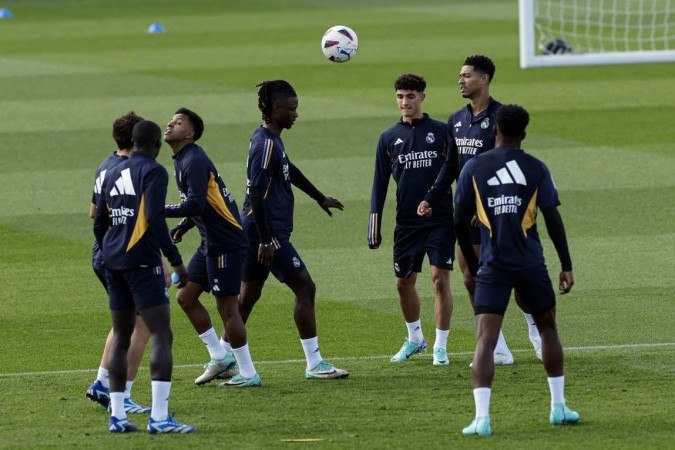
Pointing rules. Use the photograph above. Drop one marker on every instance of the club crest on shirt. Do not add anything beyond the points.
(296, 262)
(485, 123)
(431, 138)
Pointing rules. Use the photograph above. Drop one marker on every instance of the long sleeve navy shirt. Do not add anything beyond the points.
(413, 154)
(207, 201)
(470, 136)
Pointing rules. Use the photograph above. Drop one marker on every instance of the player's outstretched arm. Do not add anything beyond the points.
(556, 231)
(330, 202)
(299, 180)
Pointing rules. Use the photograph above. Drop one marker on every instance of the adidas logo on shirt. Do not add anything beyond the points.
(99, 182)
(458, 124)
(123, 185)
(398, 141)
(508, 175)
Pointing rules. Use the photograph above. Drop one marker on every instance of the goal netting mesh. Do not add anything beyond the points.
(598, 26)
(596, 31)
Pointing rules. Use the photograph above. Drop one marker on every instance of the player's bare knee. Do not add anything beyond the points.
(306, 292)
(441, 284)
(121, 341)
(404, 285)
(163, 336)
(185, 301)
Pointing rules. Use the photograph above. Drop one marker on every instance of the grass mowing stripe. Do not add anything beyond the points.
(91, 112)
(360, 358)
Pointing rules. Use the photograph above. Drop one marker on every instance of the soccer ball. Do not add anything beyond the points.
(339, 44)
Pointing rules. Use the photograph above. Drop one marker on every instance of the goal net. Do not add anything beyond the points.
(595, 32)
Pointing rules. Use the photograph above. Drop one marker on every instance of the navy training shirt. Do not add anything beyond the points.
(130, 224)
(207, 201)
(473, 134)
(505, 186)
(110, 162)
(470, 136)
(413, 154)
(268, 167)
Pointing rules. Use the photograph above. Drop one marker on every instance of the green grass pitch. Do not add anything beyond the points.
(69, 67)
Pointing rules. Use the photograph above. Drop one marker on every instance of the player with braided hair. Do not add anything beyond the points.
(268, 92)
(268, 221)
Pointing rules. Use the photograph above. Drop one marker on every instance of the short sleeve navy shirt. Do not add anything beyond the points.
(505, 187)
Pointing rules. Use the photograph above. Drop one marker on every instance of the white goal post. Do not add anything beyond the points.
(596, 32)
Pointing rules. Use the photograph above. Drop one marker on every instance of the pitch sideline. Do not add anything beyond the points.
(355, 358)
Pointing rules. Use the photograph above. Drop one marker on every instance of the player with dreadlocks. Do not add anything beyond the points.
(268, 221)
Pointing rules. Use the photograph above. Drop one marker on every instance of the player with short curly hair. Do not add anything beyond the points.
(504, 188)
(471, 132)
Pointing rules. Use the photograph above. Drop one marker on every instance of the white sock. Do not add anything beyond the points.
(415, 331)
(557, 387)
(160, 399)
(117, 405)
(210, 339)
(244, 361)
(226, 345)
(104, 377)
(441, 339)
(501, 346)
(312, 353)
(532, 330)
(481, 396)
(127, 391)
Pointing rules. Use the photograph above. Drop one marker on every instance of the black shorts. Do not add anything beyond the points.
(100, 274)
(411, 244)
(220, 275)
(493, 290)
(139, 288)
(285, 265)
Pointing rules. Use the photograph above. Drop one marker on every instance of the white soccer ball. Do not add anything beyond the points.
(339, 44)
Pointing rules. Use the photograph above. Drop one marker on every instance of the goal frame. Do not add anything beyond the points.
(530, 59)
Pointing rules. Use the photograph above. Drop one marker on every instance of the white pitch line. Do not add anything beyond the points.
(355, 358)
